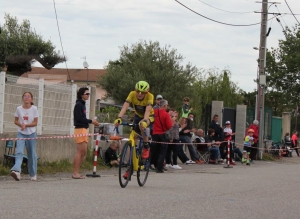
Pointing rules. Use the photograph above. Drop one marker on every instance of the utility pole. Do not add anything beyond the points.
(262, 76)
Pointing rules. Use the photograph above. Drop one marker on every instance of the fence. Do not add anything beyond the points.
(55, 103)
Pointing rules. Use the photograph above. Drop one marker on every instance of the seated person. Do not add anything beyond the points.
(199, 140)
(213, 147)
(111, 157)
(237, 151)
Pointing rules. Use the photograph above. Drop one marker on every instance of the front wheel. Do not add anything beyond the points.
(125, 165)
(143, 170)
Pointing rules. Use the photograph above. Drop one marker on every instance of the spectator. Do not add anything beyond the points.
(228, 137)
(218, 129)
(288, 144)
(162, 123)
(295, 142)
(248, 142)
(255, 136)
(185, 136)
(238, 152)
(81, 124)
(186, 109)
(111, 157)
(26, 118)
(200, 141)
(181, 155)
(219, 136)
(157, 101)
(174, 131)
(213, 147)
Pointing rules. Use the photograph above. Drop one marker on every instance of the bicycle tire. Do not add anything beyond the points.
(125, 164)
(143, 170)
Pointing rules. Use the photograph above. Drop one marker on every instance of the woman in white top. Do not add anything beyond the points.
(26, 118)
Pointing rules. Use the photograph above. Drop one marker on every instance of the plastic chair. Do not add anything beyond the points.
(9, 154)
(9, 157)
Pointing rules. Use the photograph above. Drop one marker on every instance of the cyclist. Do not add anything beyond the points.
(142, 102)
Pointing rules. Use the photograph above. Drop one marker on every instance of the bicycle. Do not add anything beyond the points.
(131, 160)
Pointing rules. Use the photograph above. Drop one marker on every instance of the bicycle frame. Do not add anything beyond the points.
(134, 150)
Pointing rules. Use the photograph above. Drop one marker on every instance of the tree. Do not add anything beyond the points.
(283, 65)
(213, 84)
(160, 66)
(21, 47)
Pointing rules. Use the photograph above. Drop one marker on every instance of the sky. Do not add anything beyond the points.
(96, 29)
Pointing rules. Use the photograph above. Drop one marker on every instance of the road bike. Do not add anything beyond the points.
(131, 160)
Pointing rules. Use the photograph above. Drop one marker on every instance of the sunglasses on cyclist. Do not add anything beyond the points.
(139, 92)
(86, 94)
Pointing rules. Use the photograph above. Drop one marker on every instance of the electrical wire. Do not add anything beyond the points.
(225, 10)
(61, 41)
(235, 25)
(280, 13)
(291, 11)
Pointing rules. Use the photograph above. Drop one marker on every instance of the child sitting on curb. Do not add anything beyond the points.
(111, 157)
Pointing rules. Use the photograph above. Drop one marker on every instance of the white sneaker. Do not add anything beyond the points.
(16, 175)
(190, 162)
(176, 167)
(168, 166)
(33, 178)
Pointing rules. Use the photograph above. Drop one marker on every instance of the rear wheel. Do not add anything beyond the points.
(125, 166)
(143, 170)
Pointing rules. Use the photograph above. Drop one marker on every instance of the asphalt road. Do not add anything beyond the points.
(263, 190)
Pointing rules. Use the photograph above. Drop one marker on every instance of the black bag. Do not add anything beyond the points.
(167, 133)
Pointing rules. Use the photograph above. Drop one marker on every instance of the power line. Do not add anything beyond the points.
(225, 10)
(61, 41)
(291, 11)
(282, 16)
(236, 25)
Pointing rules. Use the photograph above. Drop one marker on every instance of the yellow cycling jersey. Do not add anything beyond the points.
(140, 105)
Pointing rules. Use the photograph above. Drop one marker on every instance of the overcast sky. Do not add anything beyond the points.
(97, 28)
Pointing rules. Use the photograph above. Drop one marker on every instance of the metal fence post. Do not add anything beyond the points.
(73, 101)
(40, 106)
(88, 105)
(2, 90)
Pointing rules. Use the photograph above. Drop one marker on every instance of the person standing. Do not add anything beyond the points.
(162, 123)
(295, 142)
(157, 101)
(253, 153)
(174, 133)
(81, 124)
(26, 118)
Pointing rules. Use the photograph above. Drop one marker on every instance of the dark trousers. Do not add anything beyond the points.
(172, 148)
(223, 150)
(159, 151)
(181, 155)
(253, 151)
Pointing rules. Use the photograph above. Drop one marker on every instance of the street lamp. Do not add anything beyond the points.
(86, 65)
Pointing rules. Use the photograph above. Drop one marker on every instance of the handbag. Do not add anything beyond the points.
(167, 133)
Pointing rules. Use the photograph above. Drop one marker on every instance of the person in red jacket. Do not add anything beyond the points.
(162, 123)
(295, 142)
(255, 136)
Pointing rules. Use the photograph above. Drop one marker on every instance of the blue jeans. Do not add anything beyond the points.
(193, 153)
(214, 153)
(31, 154)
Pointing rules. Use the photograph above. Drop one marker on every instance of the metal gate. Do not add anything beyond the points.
(276, 129)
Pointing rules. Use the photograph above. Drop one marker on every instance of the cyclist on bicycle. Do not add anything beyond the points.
(142, 102)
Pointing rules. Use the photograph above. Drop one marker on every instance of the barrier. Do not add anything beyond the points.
(95, 159)
(228, 156)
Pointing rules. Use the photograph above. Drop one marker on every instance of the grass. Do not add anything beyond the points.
(268, 157)
(61, 166)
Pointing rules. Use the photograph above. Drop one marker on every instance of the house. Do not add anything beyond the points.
(81, 77)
